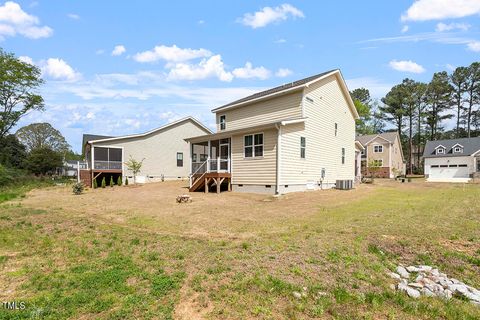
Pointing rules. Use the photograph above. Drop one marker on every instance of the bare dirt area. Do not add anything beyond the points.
(153, 207)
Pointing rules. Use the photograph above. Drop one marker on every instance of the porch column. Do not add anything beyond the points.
(209, 155)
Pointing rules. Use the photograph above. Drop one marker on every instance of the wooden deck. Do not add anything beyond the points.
(210, 180)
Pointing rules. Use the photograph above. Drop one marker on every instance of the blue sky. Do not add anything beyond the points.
(117, 67)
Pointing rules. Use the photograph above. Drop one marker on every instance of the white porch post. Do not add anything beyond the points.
(209, 155)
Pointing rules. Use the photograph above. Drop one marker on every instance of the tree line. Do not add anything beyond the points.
(419, 111)
(37, 148)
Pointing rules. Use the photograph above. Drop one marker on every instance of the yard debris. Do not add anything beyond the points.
(430, 282)
(184, 198)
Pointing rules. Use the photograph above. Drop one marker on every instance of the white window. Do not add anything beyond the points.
(378, 163)
(440, 151)
(378, 148)
(194, 157)
(336, 129)
(253, 145)
(223, 122)
(363, 152)
(179, 159)
(343, 155)
(457, 150)
(303, 145)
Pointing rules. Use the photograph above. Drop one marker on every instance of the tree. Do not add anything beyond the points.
(119, 181)
(438, 99)
(43, 161)
(473, 92)
(134, 166)
(361, 99)
(393, 107)
(111, 182)
(19, 82)
(458, 80)
(42, 135)
(12, 152)
(104, 184)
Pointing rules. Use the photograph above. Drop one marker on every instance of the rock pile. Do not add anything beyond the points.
(428, 281)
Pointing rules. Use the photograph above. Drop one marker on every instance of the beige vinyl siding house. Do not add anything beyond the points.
(304, 133)
(385, 151)
(165, 153)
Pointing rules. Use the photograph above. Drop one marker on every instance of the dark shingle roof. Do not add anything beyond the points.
(276, 89)
(470, 146)
(89, 137)
(390, 136)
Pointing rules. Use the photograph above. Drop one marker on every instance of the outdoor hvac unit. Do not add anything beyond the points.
(344, 184)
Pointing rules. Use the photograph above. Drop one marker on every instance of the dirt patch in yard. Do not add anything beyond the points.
(226, 215)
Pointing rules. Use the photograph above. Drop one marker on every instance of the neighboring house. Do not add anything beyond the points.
(298, 136)
(454, 160)
(164, 152)
(384, 151)
(71, 167)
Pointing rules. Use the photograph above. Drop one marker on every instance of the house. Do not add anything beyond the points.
(164, 152)
(454, 160)
(298, 136)
(70, 168)
(384, 151)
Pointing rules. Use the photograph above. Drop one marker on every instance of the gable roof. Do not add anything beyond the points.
(291, 87)
(388, 136)
(166, 126)
(470, 146)
(89, 137)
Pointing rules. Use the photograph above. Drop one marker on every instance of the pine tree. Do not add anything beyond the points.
(111, 181)
(458, 80)
(119, 181)
(126, 181)
(95, 184)
(104, 184)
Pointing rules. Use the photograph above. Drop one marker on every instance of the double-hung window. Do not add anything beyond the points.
(303, 145)
(378, 148)
(179, 159)
(253, 145)
(343, 155)
(223, 122)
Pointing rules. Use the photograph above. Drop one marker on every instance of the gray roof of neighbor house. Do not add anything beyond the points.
(278, 89)
(389, 136)
(470, 146)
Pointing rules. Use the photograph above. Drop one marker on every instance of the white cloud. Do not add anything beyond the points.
(248, 72)
(100, 51)
(474, 46)
(13, 21)
(441, 27)
(405, 28)
(212, 67)
(269, 15)
(26, 59)
(171, 54)
(58, 69)
(201, 21)
(73, 16)
(283, 72)
(118, 50)
(280, 41)
(423, 10)
(406, 66)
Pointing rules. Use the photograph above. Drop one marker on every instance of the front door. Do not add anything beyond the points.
(224, 154)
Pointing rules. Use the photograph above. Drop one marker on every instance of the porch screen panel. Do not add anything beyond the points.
(100, 154)
(115, 154)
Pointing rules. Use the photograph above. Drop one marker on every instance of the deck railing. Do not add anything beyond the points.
(107, 165)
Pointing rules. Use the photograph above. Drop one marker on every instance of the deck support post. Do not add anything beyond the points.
(207, 180)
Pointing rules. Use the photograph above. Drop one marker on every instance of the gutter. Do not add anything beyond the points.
(279, 143)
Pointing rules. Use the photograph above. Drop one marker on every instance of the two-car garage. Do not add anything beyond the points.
(449, 172)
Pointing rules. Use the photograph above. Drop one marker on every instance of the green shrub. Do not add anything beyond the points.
(77, 188)
(119, 181)
(104, 183)
(126, 181)
(95, 184)
(111, 181)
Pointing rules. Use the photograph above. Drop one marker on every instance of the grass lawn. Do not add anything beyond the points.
(133, 253)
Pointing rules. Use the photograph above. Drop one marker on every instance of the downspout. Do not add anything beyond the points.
(278, 166)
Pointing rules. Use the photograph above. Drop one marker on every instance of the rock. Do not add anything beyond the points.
(412, 269)
(424, 268)
(392, 286)
(435, 272)
(446, 294)
(413, 293)
(419, 278)
(445, 282)
(428, 293)
(403, 272)
(297, 295)
(394, 275)
(415, 285)
(459, 288)
(321, 294)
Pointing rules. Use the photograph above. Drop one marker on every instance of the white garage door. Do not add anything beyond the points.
(449, 172)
